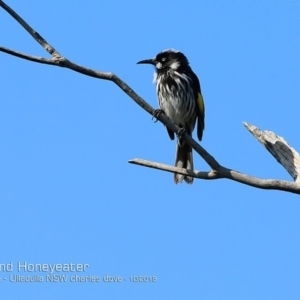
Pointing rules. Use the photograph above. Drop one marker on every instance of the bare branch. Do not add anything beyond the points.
(217, 171)
(222, 172)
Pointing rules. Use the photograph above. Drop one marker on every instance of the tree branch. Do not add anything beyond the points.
(222, 173)
(217, 171)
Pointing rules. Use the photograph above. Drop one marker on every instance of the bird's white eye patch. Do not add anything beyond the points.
(159, 65)
(163, 59)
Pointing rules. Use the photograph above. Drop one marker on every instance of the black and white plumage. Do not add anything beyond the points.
(179, 97)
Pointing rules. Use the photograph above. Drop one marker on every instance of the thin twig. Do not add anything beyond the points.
(171, 169)
(30, 30)
(37, 59)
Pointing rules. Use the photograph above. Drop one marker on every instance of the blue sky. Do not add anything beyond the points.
(67, 192)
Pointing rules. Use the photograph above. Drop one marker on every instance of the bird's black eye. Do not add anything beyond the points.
(163, 59)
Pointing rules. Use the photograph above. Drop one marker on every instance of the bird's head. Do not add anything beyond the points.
(167, 59)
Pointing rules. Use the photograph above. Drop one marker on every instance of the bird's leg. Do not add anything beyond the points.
(156, 113)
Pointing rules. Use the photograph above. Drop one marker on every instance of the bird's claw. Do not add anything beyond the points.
(180, 132)
(156, 113)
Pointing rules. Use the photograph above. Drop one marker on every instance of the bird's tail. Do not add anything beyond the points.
(184, 159)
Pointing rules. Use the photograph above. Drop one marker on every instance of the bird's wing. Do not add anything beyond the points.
(199, 105)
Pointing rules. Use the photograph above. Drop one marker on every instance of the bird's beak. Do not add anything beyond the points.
(147, 61)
